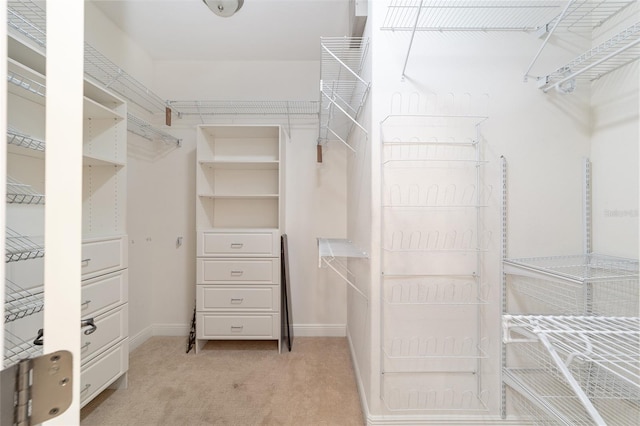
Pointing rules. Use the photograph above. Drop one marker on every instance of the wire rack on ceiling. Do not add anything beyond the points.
(342, 89)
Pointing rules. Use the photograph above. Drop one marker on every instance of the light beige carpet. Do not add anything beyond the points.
(233, 383)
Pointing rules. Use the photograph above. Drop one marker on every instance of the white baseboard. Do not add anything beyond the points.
(319, 330)
(300, 330)
(171, 329)
(140, 338)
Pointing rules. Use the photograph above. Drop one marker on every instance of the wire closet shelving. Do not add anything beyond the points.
(343, 91)
(28, 20)
(571, 333)
(544, 17)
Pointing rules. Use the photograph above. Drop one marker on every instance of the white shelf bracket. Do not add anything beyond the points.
(329, 249)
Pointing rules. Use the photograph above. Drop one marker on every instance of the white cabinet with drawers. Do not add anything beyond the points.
(239, 219)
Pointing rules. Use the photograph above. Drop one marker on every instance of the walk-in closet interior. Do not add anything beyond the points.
(457, 182)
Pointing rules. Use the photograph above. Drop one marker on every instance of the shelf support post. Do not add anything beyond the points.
(413, 33)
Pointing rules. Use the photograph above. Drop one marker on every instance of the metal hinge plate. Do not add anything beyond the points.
(36, 390)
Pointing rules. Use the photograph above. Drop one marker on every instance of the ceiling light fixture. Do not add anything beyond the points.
(224, 8)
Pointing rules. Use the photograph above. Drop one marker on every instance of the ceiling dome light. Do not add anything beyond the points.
(224, 8)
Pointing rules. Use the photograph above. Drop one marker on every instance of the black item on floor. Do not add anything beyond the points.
(287, 329)
(192, 333)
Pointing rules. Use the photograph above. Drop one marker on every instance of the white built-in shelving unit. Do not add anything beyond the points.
(239, 221)
(433, 350)
(343, 91)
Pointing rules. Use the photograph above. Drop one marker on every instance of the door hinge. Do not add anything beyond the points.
(36, 389)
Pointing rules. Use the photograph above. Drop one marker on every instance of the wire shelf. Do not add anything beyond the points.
(19, 247)
(342, 90)
(438, 347)
(580, 268)
(20, 193)
(434, 195)
(17, 349)
(20, 303)
(497, 15)
(562, 297)
(28, 19)
(142, 128)
(25, 83)
(116, 79)
(17, 138)
(610, 343)
(288, 108)
(618, 51)
(558, 404)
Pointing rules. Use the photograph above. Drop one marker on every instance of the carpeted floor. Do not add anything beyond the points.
(233, 383)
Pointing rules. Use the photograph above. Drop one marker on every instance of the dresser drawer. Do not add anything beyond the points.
(241, 271)
(238, 298)
(98, 374)
(104, 292)
(238, 244)
(104, 255)
(212, 326)
(112, 327)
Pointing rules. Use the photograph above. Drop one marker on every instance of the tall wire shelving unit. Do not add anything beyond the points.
(433, 346)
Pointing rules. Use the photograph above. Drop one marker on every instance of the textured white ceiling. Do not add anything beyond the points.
(261, 30)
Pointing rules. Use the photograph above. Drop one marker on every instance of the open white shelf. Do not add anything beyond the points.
(331, 250)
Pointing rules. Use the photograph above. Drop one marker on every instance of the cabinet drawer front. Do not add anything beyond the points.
(112, 327)
(232, 298)
(255, 271)
(102, 371)
(238, 244)
(103, 256)
(103, 293)
(211, 326)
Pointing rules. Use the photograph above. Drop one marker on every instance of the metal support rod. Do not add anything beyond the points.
(413, 33)
(503, 287)
(546, 40)
(575, 386)
(586, 208)
(345, 66)
(595, 64)
(334, 103)
(344, 278)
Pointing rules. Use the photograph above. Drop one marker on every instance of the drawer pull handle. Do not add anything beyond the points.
(237, 301)
(236, 273)
(89, 322)
(237, 245)
(86, 387)
(85, 262)
(237, 328)
(85, 346)
(86, 302)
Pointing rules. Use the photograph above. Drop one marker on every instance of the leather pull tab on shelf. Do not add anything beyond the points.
(319, 153)
(167, 116)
